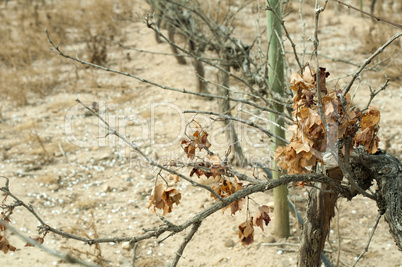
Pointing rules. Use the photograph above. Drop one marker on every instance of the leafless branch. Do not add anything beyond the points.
(373, 93)
(133, 255)
(250, 123)
(57, 50)
(377, 220)
(371, 15)
(318, 10)
(183, 245)
(64, 256)
(203, 60)
(368, 61)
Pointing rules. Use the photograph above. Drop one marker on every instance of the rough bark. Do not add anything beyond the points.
(381, 167)
(387, 171)
(320, 210)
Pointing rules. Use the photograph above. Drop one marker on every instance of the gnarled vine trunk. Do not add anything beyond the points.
(381, 167)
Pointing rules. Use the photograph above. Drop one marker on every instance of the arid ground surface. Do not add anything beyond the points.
(57, 159)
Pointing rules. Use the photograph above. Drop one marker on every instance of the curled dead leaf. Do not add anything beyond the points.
(262, 217)
(38, 239)
(246, 233)
(164, 198)
(5, 246)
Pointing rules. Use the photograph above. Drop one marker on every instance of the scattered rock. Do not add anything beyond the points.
(106, 188)
(363, 221)
(229, 243)
(54, 187)
(127, 246)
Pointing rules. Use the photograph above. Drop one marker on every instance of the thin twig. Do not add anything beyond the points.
(250, 123)
(371, 15)
(375, 93)
(183, 245)
(377, 220)
(57, 50)
(133, 255)
(63, 153)
(64, 256)
(368, 61)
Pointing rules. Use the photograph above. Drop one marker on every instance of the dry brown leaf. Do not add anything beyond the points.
(246, 233)
(5, 246)
(156, 198)
(4, 218)
(38, 239)
(262, 217)
(370, 118)
(164, 198)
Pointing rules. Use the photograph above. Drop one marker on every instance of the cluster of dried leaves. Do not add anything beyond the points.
(5, 246)
(246, 230)
(199, 141)
(163, 198)
(225, 184)
(310, 139)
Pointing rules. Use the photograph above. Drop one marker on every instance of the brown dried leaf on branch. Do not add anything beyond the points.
(200, 141)
(5, 246)
(310, 138)
(262, 217)
(189, 148)
(211, 167)
(246, 233)
(4, 218)
(367, 136)
(164, 198)
(226, 188)
(38, 239)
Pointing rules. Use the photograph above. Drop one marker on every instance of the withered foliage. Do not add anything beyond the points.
(163, 198)
(199, 141)
(262, 217)
(246, 233)
(310, 138)
(5, 246)
(38, 239)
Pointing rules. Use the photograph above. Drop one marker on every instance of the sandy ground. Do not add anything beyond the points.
(58, 161)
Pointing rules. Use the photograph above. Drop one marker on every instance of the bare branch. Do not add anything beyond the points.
(371, 15)
(250, 123)
(377, 220)
(183, 245)
(375, 93)
(64, 256)
(57, 50)
(133, 255)
(368, 61)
